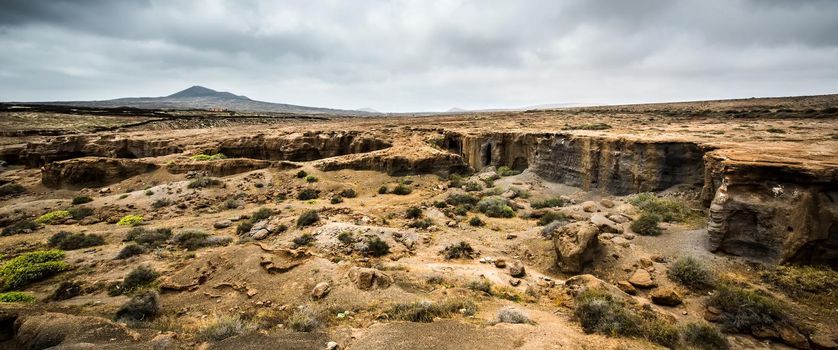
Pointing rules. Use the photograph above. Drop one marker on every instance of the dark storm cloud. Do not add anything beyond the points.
(420, 55)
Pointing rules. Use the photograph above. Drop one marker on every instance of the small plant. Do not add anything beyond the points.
(222, 328)
(31, 267)
(413, 213)
(303, 320)
(161, 203)
(472, 186)
(423, 311)
(11, 189)
(506, 171)
(72, 241)
(244, 227)
(149, 193)
(495, 207)
(348, 193)
(476, 221)
(336, 199)
(194, 239)
(307, 194)
(307, 218)
(142, 307)
(54, 217)
(130, 220)
(382, 189)
(401, 190)
(420, 223)
(130, 250)
(19, 227)
(667, 209)
(303, 240)
(511, 315)
(704, 336)
(440, 205)
(461, 199)
(81, 200)
(16, 297)
(743, 308)
(301, 174)
(149, 238)
(345, 237)
(206, 157)
(600, 312)
(231, 203)
(552, 216)
(78, 213)
(261, 214)
(376, 247)
(480, 285)
(455, 181)
(691, 273)
(799, 281)
(647, 225)
(204, 182)
(548, 203)
(459, 250)
(311, 179)
(141, 276)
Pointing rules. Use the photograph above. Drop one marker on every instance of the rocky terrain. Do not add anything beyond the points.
(706, 225)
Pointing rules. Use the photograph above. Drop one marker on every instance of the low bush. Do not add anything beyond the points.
(130, 250)
(743, 308)
(346, 237)
(459, 250)
(206, 157)
(151, 238)
(401, 190)
(461, 199)
(72, 241)
(336, 199)
(423, 311)
(600, 312)
(149, 193)
(307, 194)
(495, 207)
(31, 267)
(261, 214)
(231, 203)
(161, 203)
(548, 203)
(552, 216)
(66, 290)
(303, 240)
(472, 186)
(130, 220)
(222, 328)
(194, 239)
(301, 174)
(420, 223)
(382, 189)
(798, 281)
(81, 200)
(307, 218)
(140, 277)
(244, 227)
(691, 273)
(476, 221)
(11, 189)
(667, 209)
(704, 336)
(440, 205)
(19, 227)
(348, 193)
(506, 171)
(204, 182)
(54, 217)
(480, 285)
(455, 181)
(511, 315)
(303, 320)
(142, 307)
(413, 213)
(311, 179)
(16, 297)
(376, 247)
(78, 213)
(647, 225)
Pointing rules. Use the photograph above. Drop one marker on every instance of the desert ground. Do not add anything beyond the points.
(705, 225)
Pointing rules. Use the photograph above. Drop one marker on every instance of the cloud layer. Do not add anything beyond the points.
(420, 55)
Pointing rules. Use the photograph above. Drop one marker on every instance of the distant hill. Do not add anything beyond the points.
(199, 97)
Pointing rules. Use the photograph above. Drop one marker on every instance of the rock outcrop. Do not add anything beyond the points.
(92, 171)
(53, 149)
(300, 146)
(367, 278)
(225, 167)
(576, 244)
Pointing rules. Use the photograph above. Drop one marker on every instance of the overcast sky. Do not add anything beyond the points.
(419, 55)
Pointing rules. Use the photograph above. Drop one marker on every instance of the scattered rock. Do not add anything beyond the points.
(321, 290)
(605, 225)
(625, 286)
(516, 269)
(589, 207)
(222, 224)
(791, 336)
(618, 218)
(605, 202)
(642, 279)
(500, 263)
(332, 346)
(368, 278)
(514, 282)
(665, 296)
(580, 283)
(712, 314)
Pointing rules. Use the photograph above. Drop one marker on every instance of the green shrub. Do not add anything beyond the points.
(459, 250)
(309, 217)
(510, 315)
(130, 250)
(16, 297)
(440, 205)
(336, 199)
(149, 238)
(495, 207)
(461, 199)
(691, 273)
(480, 285)
(72, 241)
(506, 171)
(552, 216)
(205, 157)
(11, 189)
(301, 174)
(31, 267)
(476, 221)
(376, 247)
(81, 200)
(420, 223)
(348, 193)
(401, 190)
(345, 237)
(231, 203)
(303, 240)
(704, 336)
(455, 181)
(141, 276)
(743, 308)
(472, 186)
(667, 209)
(311, 179)
(798, 281)
(223, 328)
(149, 193)
(19, 227)
(600, 312)
(382, 189)
(130, 220)
(78, 213)
(548, 203)
(244, 227)
(261, 214)
(160, 203)
(54, 217)
(647, 225)
(142, 307)
(413, 213)
(203, 182)
(461, 210)
(423, 311)
(303, 320)
(307, 194)
(194, 239)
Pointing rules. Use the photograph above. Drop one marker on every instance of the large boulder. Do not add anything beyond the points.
(606, 225)
(92, 171)
(576, 244)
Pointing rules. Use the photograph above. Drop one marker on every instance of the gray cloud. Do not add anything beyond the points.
(420, 55)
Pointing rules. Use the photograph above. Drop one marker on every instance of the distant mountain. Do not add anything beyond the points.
(199, 97)
(455, 110)
(368, 110)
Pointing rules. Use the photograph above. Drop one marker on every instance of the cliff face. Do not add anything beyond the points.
(35, 154)
(299, 147)
(92, 171)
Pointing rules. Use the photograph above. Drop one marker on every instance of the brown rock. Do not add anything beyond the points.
(576, 244)
(500, 263)
(666, 296)
(822, 341)
(367, 278)
(625, 286)
(791, 336)
(516, 269)
(606, 225)
(321, 290)
(642, 279)
(589, 207)
(605, 202)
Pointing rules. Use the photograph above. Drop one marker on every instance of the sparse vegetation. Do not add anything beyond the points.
(142, 307)
(461, 199)
(413, 213)
(775, 130)
(423, 311)
(745, 308)
(71, 241)
(348, 193)
(204, 182)
(149, 193)
(506, 171)
(303, 240)
(799, 281)
(140, 277)
(194, 239)
(16, 297)
(308, 194)
(691, 273)
(512, 315)
(54, 217)
(307, 218)
(149, 238)
(231, 203)
(19, 227)
(336, 200)
(420, 223)
(206, 157)
(161, 203)
(667, 209)
(311, 179)
(600, 312)
(376, 247)
(261, 214)
(10, 189)
(704, 336)
(132, 249)
(480, 285)
(66, 290)
(472, 186)
(222, 328)
(382, 189)
(401, 190)
(495, 207)
(552, 216)
(455, 181)
(459, 250)
(647, 225)
(476, 221)
(303, 320)
(31, 267)
(548, 203)
(301, 174)
(130, 220)
(81, 200)
(78, 213)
